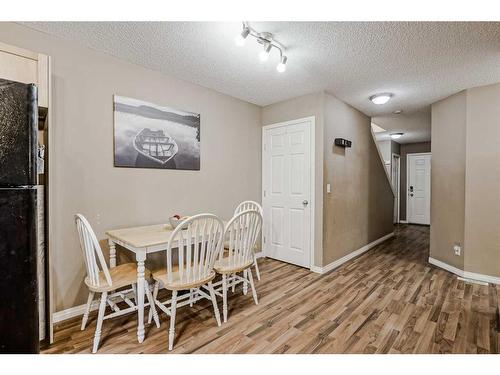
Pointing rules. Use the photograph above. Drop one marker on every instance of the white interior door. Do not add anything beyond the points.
(419, 188)
(287, 191)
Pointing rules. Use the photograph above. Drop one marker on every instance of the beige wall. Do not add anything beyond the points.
(85, 180)
(405, 149)
(359, 209)
(448, 179)
(305, 106)
(482, 184)
(385, 150)
(466, 180)
(395, 148)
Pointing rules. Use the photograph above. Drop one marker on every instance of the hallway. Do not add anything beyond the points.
(389, 300)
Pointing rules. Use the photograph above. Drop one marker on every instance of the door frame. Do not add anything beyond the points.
(398, 187)
(312, 171)
(408, 177)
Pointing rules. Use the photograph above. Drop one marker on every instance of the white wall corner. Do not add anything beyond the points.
(374, 138)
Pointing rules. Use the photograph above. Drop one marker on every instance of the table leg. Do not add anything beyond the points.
(112, 253)
(140, 257)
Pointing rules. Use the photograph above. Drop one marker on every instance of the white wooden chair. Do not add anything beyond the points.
(101, 279)
(242, 232)
(244, 206)
(198, 241)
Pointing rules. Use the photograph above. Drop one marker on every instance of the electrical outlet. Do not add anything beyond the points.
(328, 188)
(457, 248)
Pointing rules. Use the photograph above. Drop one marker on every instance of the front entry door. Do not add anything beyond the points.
(287, 192)
(419, 188)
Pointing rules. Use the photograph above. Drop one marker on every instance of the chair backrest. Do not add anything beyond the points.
(198, 241)
(90, 247)
(241, 235)
(248, 205)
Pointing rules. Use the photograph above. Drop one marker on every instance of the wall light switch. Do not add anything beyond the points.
(328, 188)
(457, 248)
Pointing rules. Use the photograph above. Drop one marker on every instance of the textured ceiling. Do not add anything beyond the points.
(420, 62)
(415, 126)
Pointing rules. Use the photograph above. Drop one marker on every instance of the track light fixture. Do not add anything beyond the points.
(281, 67)
(264, 54)
(241, 38)
(268, 42)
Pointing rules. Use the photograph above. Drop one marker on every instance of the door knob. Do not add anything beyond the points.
(305, 203)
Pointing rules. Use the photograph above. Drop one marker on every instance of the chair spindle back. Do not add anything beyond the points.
(248, 205)
(198, 240)
(241, 233)
(90, 247)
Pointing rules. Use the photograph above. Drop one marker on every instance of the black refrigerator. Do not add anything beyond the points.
(19, 329)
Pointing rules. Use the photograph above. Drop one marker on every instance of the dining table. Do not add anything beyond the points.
(141, 241)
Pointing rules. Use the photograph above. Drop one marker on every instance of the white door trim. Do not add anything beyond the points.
(398, 188)
(312, 171)
(407, 178)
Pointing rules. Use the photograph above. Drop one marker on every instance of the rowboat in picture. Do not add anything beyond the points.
(155, 145)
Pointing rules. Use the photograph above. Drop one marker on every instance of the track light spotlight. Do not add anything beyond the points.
(264, 54)
(281, 67)
(241, 38)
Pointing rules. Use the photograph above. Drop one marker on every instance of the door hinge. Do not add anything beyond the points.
(264, 193)
(264, 239)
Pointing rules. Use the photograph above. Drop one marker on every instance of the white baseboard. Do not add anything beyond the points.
(465, 274)
(72, 312)
(354, 254)
(446, 267)
(403, 222)
(75, 311)
(472, 281)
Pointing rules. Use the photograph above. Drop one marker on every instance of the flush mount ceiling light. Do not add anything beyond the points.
(381, 98)
(268, 43)
(396, 135)
(398, 111)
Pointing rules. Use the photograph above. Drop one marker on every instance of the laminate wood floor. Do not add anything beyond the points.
(389, 300)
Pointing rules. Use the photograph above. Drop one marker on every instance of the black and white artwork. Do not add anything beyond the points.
(151, 136)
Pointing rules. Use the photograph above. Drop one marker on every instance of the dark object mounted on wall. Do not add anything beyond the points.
(42, 117)
(342, 142)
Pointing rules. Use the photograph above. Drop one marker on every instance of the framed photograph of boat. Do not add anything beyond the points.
(147, 135)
